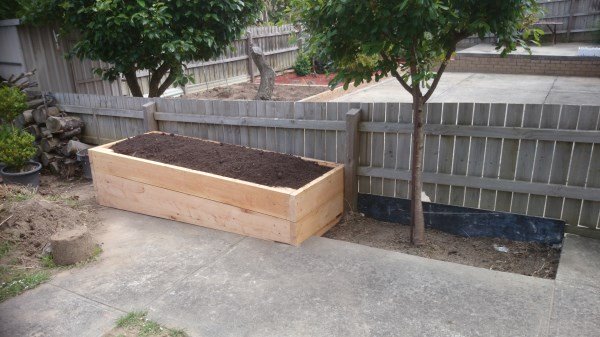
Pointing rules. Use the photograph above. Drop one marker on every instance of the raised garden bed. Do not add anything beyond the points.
(284, 214)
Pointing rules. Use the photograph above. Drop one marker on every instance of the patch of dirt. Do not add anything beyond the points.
(29, 224)
(238, 162)
(247, 91)
(524, 258)
(29, 218)
(310, 79)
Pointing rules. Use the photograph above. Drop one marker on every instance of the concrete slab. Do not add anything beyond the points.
(143, 257)
(508, 82)
(489, 95)
(491, 88)
(580, 262)
(50, 311)
(334, 288)
(576, 311)
(577, 84)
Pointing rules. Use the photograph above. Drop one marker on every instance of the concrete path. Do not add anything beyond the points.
(214, 283)
(491, 88)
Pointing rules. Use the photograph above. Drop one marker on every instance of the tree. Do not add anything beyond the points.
(158, 36)
(413, 41)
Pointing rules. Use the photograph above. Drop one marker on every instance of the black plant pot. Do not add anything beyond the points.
(82, 156)
(30, 178)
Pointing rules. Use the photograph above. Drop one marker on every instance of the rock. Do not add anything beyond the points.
(72, 246)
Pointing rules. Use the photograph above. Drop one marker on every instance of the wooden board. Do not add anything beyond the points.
(142, 198)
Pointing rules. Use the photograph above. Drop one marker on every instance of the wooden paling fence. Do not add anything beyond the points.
(533, 159)
(41, 48)
(577, 16)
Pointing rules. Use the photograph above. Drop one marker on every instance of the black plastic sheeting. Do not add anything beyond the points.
(462, 221)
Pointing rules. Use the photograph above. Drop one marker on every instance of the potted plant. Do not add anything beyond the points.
(16, 150)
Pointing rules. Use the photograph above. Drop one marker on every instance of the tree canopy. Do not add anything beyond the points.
(159, 36)
(400, 33)
(412, 40)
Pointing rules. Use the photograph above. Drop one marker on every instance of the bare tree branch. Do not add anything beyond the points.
(396, 74)
(438, 75)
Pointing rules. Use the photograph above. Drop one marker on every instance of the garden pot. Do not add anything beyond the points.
(82, 156)
(30, 178)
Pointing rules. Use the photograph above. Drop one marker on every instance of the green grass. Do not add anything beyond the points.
(47, 261)
(68, 201)
(21, 194)
(15, 282)
(138, 321)
(5, 247)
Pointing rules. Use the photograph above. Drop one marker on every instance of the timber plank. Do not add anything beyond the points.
(139, 197)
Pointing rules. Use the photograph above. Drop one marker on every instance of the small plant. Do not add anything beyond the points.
(303, 65)
(12, 283)
(16, 147)
(12, 102)
(137, 322)
(47, 261)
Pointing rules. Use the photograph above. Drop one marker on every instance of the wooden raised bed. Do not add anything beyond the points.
(273, 213)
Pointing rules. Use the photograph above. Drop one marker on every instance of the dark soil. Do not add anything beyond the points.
(265, 168)
(524, 258)
(247, 91)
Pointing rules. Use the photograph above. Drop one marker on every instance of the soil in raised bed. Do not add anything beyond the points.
(526, 258)
(247, 91)
(261, 167)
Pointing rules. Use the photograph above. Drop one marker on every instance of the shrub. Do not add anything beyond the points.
(12, 103)
(303, 65)
(16, 147)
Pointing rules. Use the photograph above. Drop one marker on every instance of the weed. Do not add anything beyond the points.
(20, 194)
(131, 319)
(17, 282)
(72, 202)
(48, 261)
(138, 321)
(4, 248)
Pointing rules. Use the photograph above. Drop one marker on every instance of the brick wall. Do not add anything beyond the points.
(526, 64)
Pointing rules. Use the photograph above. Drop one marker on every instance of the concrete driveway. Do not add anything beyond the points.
(213, 283)
(491, 88)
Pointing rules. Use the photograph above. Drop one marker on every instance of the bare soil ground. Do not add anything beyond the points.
(28, 218)
(247, 91)
(310, 79)
(524, 258)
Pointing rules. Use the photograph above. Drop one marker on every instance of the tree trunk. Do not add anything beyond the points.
(417, 219)
(267, 74)
(133, 84)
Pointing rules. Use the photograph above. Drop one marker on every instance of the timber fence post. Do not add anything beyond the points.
(150, 123)
(351, 162)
